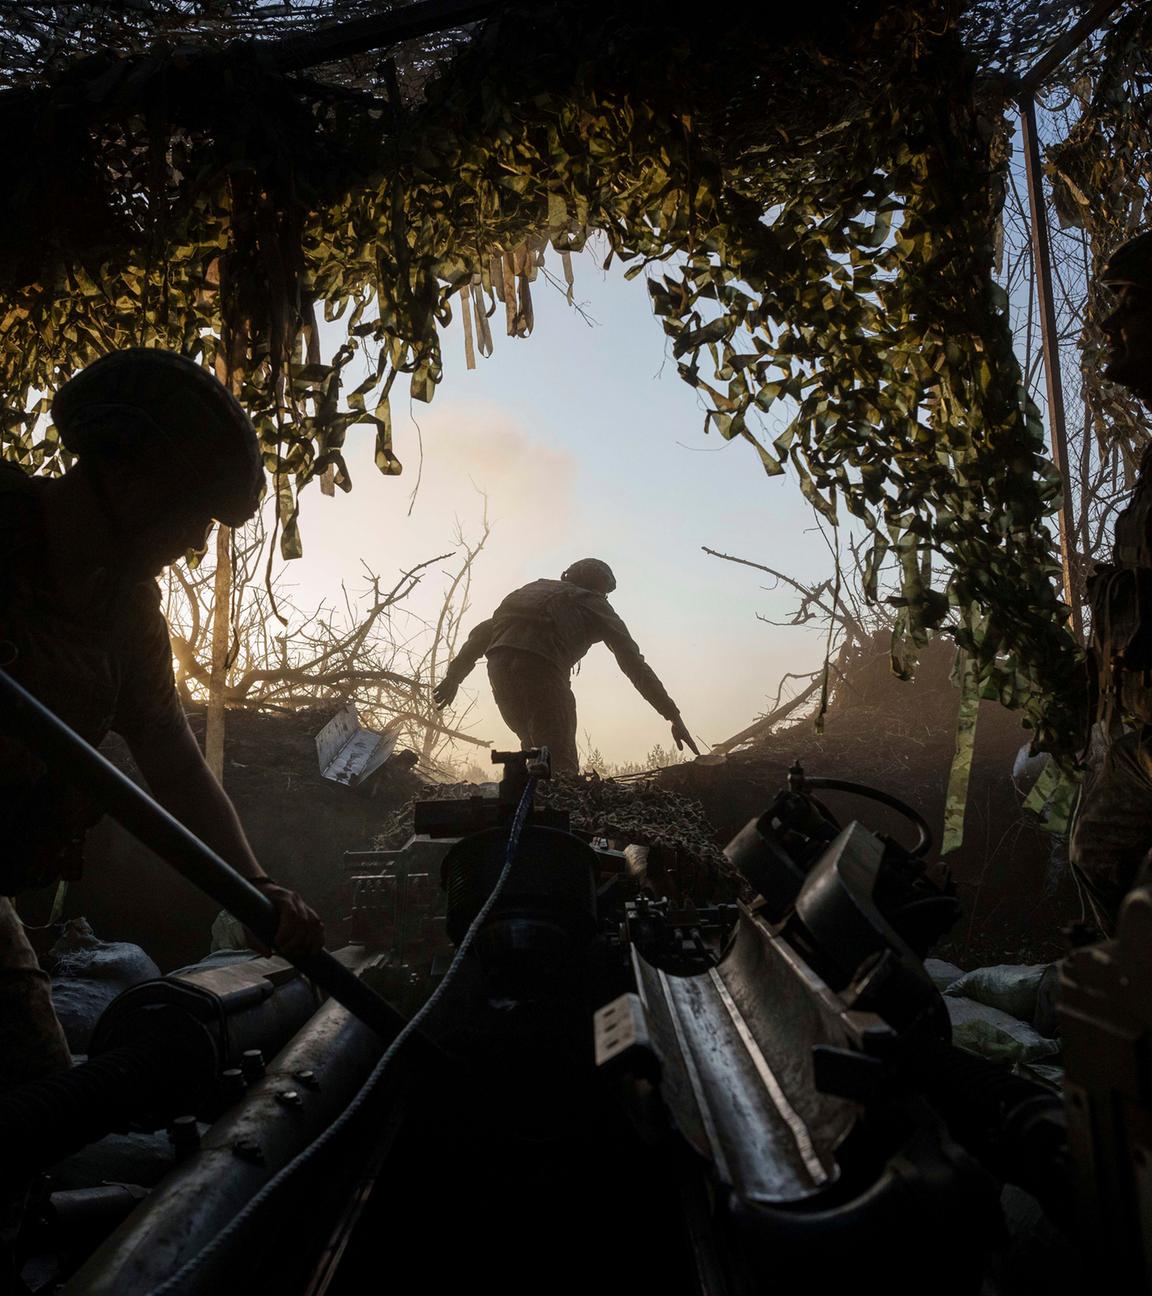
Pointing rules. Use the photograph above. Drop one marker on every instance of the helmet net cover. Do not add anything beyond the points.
(591, 574)
(158, 404)
(1131, 262)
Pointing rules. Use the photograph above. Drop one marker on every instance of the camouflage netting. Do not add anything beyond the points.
(39, 38)
(811, 198)
(637, 812)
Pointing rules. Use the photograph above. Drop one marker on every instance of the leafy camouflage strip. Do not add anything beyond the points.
(1053, 798)
(1101, 182)
(636, 812)
(958, 777)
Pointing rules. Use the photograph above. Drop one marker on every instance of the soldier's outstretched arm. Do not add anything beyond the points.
(475, 646)
(681, 737)
(644, 679)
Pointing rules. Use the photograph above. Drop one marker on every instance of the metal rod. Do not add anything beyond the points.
(1042, 257)
(1060, 48)
(26, 717)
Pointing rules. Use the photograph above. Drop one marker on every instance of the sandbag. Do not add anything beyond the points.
(87, 974)
(1050, 1073)
(1014, 988)
(996, 1035)
(219, 958)
(227, 933)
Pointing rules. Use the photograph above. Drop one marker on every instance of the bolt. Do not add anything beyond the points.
(307, 1079)
(184, 1135)
(252, 1064)
(232, 1084)
(289, 1098)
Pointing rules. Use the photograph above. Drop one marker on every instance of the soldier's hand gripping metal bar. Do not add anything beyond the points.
(28, 719)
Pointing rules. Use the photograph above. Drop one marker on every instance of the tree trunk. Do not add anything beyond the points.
(221, 601)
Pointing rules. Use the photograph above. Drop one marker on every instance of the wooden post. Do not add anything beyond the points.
(1058, 435)
(1095, 17)
(221, 627)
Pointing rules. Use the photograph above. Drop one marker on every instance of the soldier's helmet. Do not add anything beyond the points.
(167, 410)
(1130, 263)
(591, 574)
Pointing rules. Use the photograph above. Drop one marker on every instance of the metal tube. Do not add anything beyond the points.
(1042, 258)
(305, 1088)
(134, 809)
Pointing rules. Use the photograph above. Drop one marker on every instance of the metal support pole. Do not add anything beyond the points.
(1042, 258)
(69, 755)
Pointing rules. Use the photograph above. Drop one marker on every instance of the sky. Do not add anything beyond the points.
(587, 444)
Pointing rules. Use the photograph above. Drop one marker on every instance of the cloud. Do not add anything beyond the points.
(475, 446)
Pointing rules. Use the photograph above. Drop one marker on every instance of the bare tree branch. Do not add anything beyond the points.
(766, 724)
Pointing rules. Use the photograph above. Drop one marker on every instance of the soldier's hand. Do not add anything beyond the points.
(299, 931)
(681, 736)
(444, 693)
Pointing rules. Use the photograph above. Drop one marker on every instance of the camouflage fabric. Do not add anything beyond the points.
(537, 704)
(32, 1046)
(1120, 594)
(1113, 827)
(1112, 834)
(559, 622)
(32, 1043)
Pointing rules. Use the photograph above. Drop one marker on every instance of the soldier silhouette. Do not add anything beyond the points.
(534, 639)
(162, 449)
(1112, 834)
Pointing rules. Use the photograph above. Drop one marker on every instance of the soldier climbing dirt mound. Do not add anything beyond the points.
(532, 642)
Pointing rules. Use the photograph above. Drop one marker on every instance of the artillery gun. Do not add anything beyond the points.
(595, 1088)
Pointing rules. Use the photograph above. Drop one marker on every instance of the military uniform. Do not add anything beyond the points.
(532, 642)
(100, 658)
(1113, 828)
